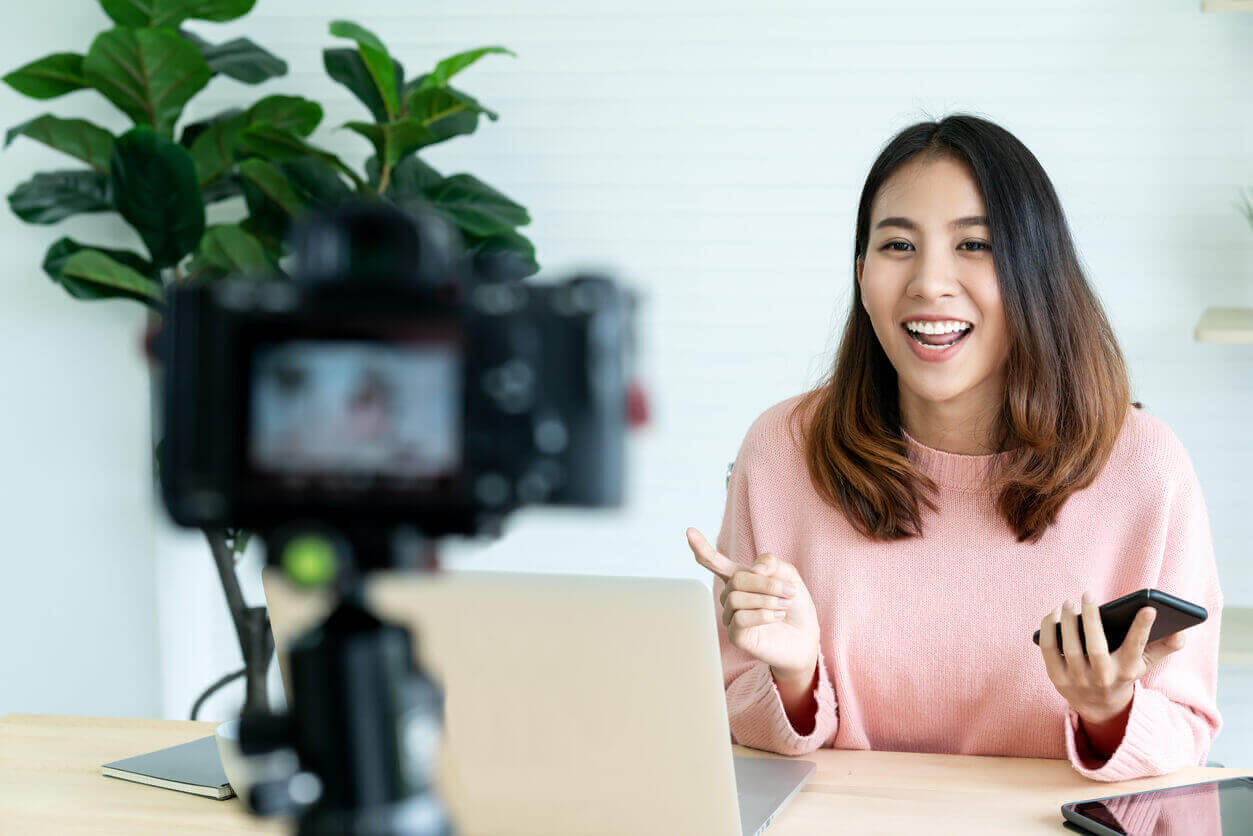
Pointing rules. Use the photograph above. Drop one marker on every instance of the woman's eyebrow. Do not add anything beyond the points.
(906, 223)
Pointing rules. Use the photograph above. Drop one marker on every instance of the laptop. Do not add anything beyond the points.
(573, 703)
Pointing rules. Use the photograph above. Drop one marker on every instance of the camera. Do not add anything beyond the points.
(397, 384)
(392, 381)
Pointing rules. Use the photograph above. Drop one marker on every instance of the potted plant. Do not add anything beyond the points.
(161, 172)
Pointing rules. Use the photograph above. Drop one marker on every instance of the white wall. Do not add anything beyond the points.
(76, 622)
(711, 154)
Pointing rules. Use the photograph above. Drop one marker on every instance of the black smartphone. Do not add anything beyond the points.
(1173, 614)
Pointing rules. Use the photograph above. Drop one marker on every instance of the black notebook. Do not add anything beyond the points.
(193, 767)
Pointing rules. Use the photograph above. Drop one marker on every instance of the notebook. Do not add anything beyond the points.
(193, 767)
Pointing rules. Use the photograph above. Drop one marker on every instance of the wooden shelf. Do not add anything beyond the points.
(1227, 5)
(1225, 325)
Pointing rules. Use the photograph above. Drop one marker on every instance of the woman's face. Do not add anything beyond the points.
(923, 262)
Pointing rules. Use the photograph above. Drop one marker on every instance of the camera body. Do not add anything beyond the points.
(388, 384)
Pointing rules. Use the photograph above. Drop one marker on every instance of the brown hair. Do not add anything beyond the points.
(1066, 382)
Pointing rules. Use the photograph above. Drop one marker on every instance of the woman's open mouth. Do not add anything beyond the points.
(936, 341)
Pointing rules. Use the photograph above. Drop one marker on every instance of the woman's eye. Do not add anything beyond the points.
(891, 245)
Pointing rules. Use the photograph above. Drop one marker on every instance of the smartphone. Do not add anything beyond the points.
(1173, 614)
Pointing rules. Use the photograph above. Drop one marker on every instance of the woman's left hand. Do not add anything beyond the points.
(1098, 686)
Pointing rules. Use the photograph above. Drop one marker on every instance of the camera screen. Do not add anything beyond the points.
(355, 415)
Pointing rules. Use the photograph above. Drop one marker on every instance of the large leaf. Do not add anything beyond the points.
(213, 151)
(289, 113)
(52, 195)
(156, 190)
(452, 65)
(506, 255)
(170, 13)
(316, 183)
(275, 143)
(93, 267)
(347, 67)
(272, 184)
(230, 248)
(272, 202)
(240, 59)
(476, 207)
(393, 140)
(377, 62)
(222, 189)
(147, 73)
(445, 112)
(61, 251)
(410, 178)
(76, 137)
(51, 76)
(193, 130)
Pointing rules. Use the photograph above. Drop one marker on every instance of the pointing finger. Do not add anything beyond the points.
(709, 557)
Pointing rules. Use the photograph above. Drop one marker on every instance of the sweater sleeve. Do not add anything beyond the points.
(1174, 715)
(754, 706)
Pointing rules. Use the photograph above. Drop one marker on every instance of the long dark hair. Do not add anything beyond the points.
(1066, 391)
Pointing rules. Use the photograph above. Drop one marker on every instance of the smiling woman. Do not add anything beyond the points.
(972, 458)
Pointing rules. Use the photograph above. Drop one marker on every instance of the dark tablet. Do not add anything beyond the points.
(1173, 614)
(1211, 808)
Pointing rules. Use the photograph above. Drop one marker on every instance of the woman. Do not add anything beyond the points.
(891, 538)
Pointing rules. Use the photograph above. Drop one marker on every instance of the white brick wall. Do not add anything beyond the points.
(711, 154)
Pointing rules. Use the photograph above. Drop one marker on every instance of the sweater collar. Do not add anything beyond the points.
(955, 470)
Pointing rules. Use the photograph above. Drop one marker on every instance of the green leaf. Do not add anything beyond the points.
(156, 191)
(193, 130)
(452, 65)
(316, 183)
(410, 178)
(393, 140)
(275, 143)
(346, 67)
(445, 111)
(213, 152)
(149, 74)
(506, 251)
(61, 251)
(103, 273)
(272, 185)
(289, 113)
(377, 61)
(230, 248)
(272, 203)
(51, 76)
(221, 189)
(476, 207)
(240, 59)
(76, 137)
(52, 195)
(170, 13)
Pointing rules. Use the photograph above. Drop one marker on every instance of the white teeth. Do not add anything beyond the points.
(945, 327)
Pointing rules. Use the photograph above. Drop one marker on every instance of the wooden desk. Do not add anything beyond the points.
(50, 783)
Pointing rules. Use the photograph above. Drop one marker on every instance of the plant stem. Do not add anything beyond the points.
(252, 624)
(385, 179)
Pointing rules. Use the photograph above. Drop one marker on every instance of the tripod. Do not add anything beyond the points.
(357, 751)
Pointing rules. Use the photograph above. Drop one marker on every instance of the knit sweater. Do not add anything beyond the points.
(925, 642)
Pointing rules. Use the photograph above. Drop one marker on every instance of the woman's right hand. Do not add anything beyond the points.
(767, 611)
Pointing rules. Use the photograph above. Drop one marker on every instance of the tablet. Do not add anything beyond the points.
(1211, 808)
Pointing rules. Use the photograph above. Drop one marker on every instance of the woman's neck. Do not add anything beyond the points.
(961, 425)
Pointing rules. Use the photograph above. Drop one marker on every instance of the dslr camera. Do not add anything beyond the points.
(393, 381)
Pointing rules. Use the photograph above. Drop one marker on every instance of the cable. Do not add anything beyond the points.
(230, 677)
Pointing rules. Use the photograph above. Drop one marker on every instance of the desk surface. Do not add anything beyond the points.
(50, 782)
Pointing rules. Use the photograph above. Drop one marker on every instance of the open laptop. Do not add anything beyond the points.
(573, 703)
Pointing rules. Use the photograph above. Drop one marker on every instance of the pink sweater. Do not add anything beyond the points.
(926, 642)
